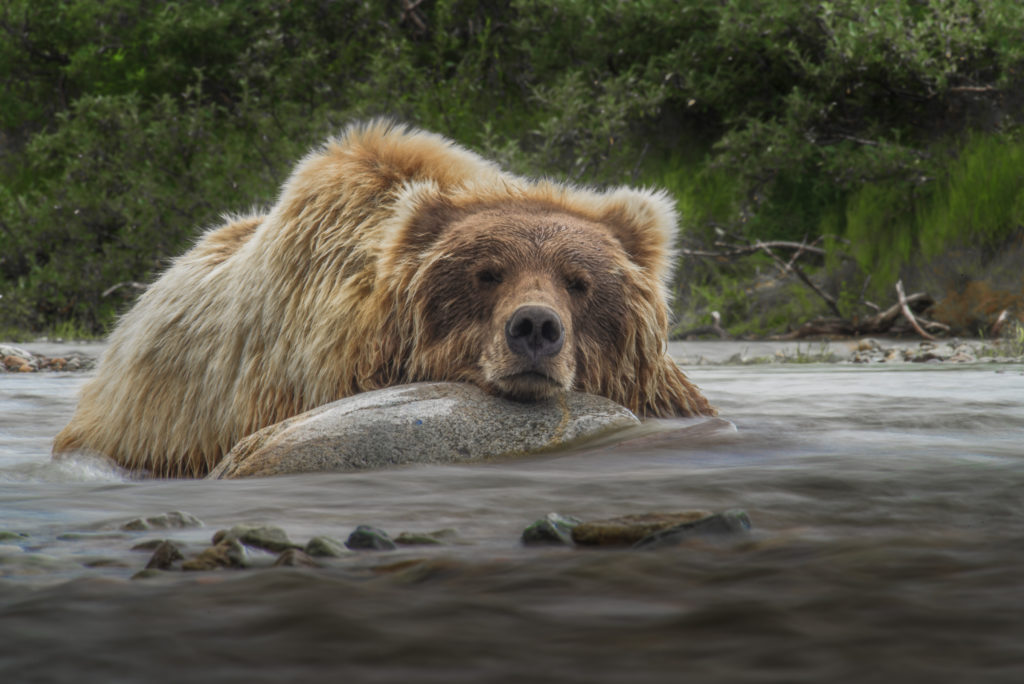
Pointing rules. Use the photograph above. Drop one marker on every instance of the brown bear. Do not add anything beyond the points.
(392, 256)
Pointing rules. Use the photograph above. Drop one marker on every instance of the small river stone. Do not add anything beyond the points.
(729, 523)
(629, 529)
(437, 537)
(227, 554)
(553, 528)
(325, 547)
(174, 519)
(421, 423)
(164, 556)
(295, 558)
(266, 537)
(370, 538)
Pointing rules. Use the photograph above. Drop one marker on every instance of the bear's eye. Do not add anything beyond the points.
(577, 286)
(488, 277)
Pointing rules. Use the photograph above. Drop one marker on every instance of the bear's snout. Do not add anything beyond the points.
(535, 332)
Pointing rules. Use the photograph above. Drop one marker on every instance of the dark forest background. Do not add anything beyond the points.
(885, 135)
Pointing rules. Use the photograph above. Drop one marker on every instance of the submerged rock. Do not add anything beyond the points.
(174, 519)
(267, 537)
(367, 537)
(553, 528)
(629, 529)
(436, 422)
(295, 558)
(325, 547)
(227, 554)
(435, 538)
(734, 522)
(165, 555)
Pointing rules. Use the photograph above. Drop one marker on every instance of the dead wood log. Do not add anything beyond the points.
(908, 314)
(879, 324)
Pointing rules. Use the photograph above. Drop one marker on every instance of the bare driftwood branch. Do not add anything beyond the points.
(973, 89)
(997, 327)
(908, 314)
(793, 268)
(739, 250)
(127, 283)
(410, 12)
(884, 320)
(878, 324)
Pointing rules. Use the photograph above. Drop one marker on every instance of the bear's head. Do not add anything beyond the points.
(547, 290)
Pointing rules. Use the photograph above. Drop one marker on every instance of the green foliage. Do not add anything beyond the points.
(978, 202)
(127, 127)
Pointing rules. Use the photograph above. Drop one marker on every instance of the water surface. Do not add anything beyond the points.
(888, 546)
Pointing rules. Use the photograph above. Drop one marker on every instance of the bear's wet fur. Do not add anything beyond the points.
(391, 256)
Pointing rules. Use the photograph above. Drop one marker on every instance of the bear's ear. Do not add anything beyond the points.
(645, 224)
(423, 212)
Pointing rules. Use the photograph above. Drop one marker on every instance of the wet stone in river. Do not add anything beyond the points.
(435, 538)
(367, 537)
(325, 547)
(295, 558)
(173, 519)
(227, 554)
(422, 423)
(729, 523)
(164, 556)
(553, 528)
(267, 537)
(629, 529)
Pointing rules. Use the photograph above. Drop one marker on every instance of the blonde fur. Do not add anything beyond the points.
(321, 298)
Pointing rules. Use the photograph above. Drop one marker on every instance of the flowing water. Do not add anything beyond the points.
(888, 546)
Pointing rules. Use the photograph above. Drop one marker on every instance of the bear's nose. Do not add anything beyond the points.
(535, 332)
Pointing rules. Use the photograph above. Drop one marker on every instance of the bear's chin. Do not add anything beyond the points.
(528, 386)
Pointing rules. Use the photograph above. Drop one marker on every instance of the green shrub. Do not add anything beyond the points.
(126, 127)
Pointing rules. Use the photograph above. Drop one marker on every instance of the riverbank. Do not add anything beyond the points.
(59, 355)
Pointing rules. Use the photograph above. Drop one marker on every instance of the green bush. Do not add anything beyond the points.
(127, 127)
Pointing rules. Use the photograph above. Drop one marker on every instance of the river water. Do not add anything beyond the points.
(888, 546)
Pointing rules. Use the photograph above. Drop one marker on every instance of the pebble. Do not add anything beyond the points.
(367, 537)
(435, 538)
(267, 537)
(165, 555)
(732, 522)
(295, 558)
(226, 554)
(325, 547)
(554, 528)
(174, 519)
(629, 529)
(17, 360)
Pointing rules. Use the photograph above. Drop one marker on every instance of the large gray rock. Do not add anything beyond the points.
(438, 422)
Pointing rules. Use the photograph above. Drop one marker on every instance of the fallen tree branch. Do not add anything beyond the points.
(127, 283)
(739, 250)
(878, 324)
(793, 268)
(997, 327)
(908, 314)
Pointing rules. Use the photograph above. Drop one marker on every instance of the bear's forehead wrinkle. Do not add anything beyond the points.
(536, 238)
